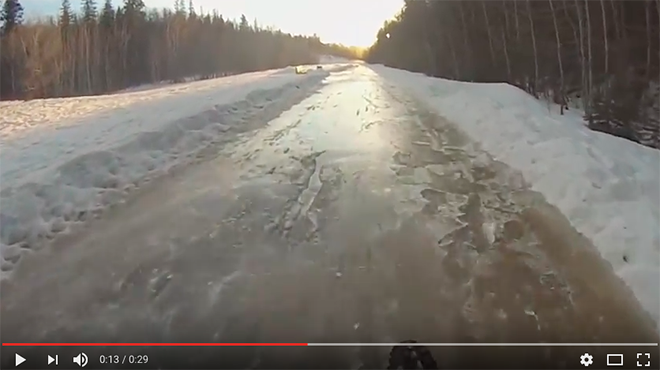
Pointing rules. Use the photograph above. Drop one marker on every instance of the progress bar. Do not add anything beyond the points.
(486, 344)
(330, 344)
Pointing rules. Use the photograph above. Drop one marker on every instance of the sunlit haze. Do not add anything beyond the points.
(349, 22)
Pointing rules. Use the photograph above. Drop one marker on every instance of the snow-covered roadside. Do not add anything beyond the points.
(60, 128)
(61, 171)
(608, 187)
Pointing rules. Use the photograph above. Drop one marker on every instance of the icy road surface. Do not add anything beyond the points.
(355, 216)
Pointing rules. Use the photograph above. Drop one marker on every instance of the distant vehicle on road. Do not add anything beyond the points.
(319, 67)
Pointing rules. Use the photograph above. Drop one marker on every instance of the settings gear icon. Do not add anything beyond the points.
(586, 359)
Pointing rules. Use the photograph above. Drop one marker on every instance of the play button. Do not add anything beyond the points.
(18, 359)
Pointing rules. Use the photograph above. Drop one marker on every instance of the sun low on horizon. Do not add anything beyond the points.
(351, 23)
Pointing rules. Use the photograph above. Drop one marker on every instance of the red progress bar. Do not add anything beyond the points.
(157, 344)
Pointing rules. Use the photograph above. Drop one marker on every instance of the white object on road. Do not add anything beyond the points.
(607, 187)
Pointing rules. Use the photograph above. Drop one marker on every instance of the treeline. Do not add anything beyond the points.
(348, 52)
(107, 49)
(602, 53)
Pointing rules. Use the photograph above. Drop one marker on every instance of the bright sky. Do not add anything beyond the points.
(349, 22)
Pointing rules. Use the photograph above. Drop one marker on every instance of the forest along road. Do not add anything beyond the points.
(356, 216)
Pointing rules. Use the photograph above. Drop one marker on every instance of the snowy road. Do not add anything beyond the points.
(355, 216)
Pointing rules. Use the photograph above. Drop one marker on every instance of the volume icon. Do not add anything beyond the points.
(81, 359)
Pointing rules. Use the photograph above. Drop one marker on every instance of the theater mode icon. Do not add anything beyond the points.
(615, 359)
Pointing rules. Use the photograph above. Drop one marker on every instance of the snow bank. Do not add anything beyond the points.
(608, 187)
(58, 168)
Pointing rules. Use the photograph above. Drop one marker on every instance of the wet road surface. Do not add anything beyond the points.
(356, 216)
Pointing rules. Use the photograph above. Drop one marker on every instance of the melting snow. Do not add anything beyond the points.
(608, 187)
(65, 160)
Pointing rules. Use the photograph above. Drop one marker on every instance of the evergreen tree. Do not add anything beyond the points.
(65, 14)
(244, 25)
(191, 10)
(134, 8)
(11, 15)
(180, 7)
(89, 11)
(107, 18)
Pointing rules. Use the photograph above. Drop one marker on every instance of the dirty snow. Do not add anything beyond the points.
(65, 160)
(608, 187)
